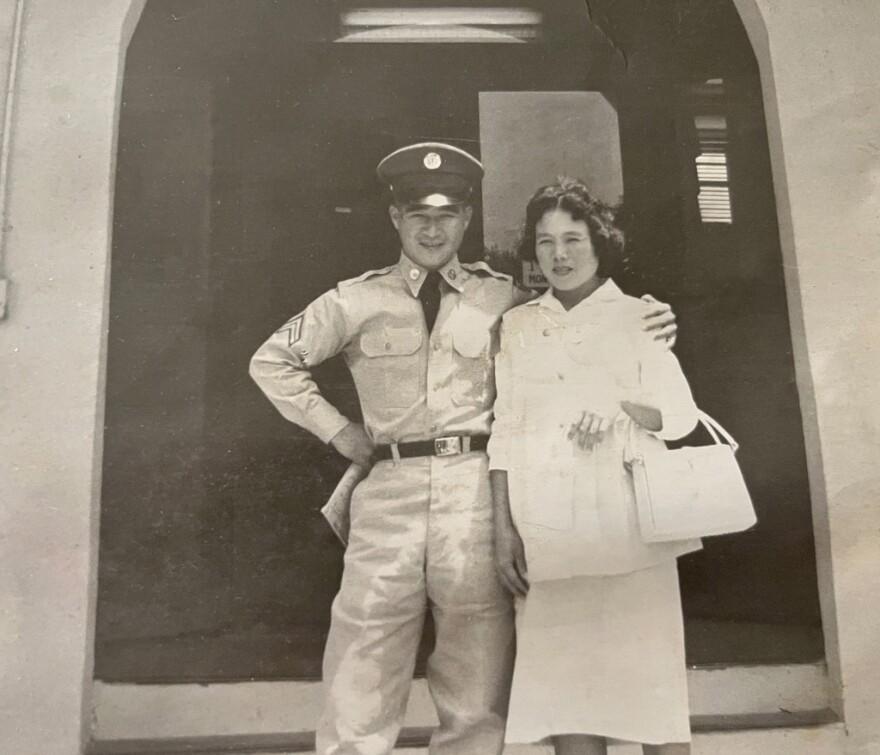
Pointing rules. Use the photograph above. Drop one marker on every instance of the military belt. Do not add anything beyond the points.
(449, 445)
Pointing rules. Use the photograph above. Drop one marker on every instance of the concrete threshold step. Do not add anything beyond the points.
(817, 739)
(829, 739)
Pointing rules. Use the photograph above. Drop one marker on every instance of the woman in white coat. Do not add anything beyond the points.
(600, 640)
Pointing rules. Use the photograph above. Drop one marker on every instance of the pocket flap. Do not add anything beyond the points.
(391, 342)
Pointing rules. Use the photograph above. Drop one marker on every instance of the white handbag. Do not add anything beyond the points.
(691, 492)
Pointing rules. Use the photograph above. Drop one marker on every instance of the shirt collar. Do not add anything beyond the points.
(606, 292)
(453, 273)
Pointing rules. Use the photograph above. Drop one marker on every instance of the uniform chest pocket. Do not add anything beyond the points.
(472, 352)
(392, 368)
(391, 342)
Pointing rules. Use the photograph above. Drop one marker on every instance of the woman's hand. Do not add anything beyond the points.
(659, 321)
(510, 559)
(590, 428)
(645, 416)
(510, 554)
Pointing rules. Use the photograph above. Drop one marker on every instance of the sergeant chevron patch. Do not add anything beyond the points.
(293, 328)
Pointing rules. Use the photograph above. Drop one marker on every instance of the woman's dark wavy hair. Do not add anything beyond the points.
(572, 196)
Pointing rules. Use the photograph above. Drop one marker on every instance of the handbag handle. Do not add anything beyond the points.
(712, 425)
(715, 429)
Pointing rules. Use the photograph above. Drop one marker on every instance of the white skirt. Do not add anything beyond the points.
(601, 655)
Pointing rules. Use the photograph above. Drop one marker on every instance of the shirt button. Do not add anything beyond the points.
(451, 275)
(547, 332)
(414, 274)
(437, 346)
(387, 346)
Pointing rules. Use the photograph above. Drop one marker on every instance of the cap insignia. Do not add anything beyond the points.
(432, 161)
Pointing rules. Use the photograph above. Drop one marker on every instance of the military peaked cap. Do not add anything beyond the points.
(431, 173)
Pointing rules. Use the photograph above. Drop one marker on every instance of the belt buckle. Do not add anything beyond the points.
(449, 446)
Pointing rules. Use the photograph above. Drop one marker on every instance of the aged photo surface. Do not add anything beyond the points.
(274, 165)
(246, 188)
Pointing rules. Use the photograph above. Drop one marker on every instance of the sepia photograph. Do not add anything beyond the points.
(462, 378)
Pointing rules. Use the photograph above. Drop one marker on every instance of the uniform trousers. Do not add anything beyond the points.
(421, 539)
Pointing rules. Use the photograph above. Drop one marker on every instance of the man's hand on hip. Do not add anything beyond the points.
(354, 444)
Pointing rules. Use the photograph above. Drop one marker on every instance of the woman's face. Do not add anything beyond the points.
(565, 251)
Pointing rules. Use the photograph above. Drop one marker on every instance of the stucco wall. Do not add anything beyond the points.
(51, 346)
(819, 62)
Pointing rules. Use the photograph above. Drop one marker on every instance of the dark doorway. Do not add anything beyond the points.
(245, 188)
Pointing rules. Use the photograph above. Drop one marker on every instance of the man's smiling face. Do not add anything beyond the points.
(431, 236)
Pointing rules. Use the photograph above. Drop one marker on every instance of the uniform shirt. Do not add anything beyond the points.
(411, 385)
(575, 508)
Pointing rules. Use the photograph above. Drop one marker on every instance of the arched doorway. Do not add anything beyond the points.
(239, 152)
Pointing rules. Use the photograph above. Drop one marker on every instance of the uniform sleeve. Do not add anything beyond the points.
(282, 365)
(503, 430)
(665, 388)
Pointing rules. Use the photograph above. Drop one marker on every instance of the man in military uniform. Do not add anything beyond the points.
(419, 338)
